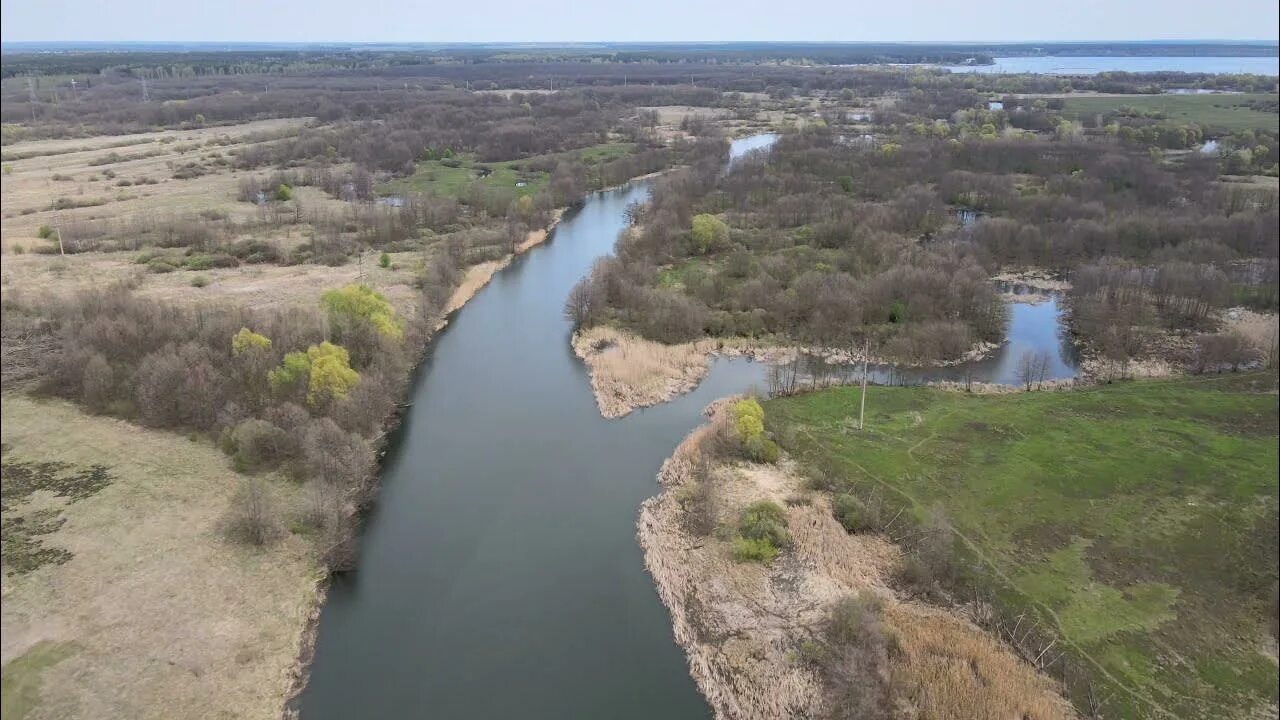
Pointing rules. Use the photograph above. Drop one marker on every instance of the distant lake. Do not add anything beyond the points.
(1060, 65)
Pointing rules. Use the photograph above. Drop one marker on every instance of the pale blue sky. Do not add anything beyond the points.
(634, 20)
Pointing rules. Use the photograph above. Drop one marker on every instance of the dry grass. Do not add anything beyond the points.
(31, 188)
(741, 623)
(629, 372)
(1262, 329)
(157, 614)
(948, 668)
(253, 285)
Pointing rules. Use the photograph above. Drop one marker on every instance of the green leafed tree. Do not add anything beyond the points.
(358, 304)
(246, 340)
(709, 233)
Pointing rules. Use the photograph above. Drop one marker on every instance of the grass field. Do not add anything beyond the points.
(515, 176)
(1139, 519)
(146, 609)
(1224, 112)
(118, 178)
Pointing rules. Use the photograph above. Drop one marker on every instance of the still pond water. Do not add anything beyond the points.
(499, 574)
(1060, 65)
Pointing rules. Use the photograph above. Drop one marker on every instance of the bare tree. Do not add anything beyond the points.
(1026, 370)
(577, 307)
(253, 515)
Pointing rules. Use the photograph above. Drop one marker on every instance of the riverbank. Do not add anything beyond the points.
(629, 372)
(473, 281)
(744, 626)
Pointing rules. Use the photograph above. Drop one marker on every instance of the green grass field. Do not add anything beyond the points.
(1225, 112)
(515, 176)
(1139, 519)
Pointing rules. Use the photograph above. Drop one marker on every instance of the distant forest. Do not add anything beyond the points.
(96, 58)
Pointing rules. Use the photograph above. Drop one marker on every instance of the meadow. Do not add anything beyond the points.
(1135, 523)
(1229, 112)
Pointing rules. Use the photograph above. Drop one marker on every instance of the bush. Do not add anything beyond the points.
(384, 260)
(748, 550)
(160, 266)
(761, 449)
(256, 445)
(98, 383)
(762, 531)
(199, 281)
(852, 513)
(245, 340)
(253, 517)
(45, 232)
(208, 262)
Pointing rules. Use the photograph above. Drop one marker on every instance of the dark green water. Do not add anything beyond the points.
(499, 575)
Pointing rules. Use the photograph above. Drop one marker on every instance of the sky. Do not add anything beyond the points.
(637, 20)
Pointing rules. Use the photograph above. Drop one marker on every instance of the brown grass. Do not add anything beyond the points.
(629, 372)
(254, 285)
(160, 615)
(31, 185)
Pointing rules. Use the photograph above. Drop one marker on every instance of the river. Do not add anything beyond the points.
(499, 574)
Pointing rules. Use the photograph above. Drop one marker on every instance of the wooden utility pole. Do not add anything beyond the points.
(862, 413)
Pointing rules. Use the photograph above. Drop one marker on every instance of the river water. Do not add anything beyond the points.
(1067, 65)
(499, 574)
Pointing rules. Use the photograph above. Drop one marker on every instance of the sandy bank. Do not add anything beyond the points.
(479, 275)
(742, 624)
(629, 372)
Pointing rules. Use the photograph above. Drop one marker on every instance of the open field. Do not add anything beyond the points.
(1224, 112)
(102, 178)
(451, 177)
(258, 286)
(155, 613)
(1136, 521)
(751, 630)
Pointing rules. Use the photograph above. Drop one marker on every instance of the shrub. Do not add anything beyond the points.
(765, 520)
(851, 512)
(355, 304)
(246, 339)
(748, 550)
(762, 531)
(292, 374)
(159, 265)
(853, 659)
(200, 281)
(748, 418)
(384, 260)
(18, 249)
(761, 449)
(45, 232)
(99, 383)
(284, 193)
(253, 516)
(256, 445)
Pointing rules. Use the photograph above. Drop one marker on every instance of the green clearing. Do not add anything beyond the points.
(1223, 111)
(1139, 519)
(439, 178)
